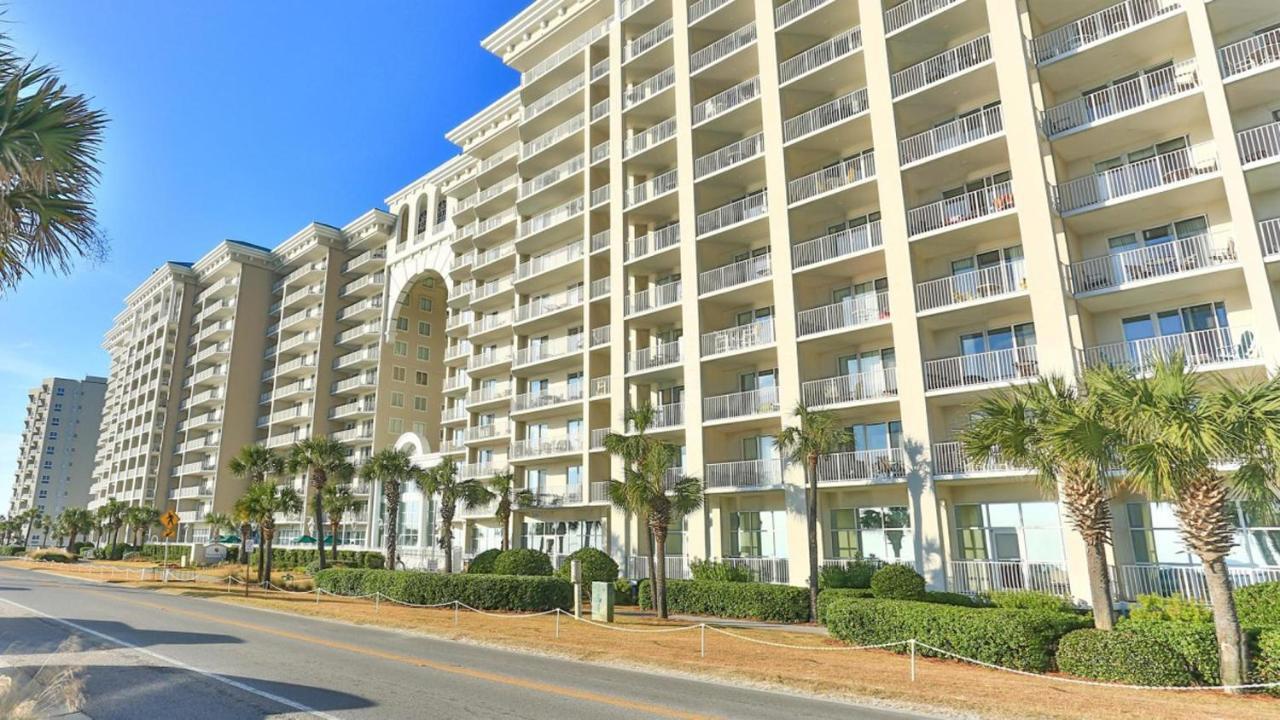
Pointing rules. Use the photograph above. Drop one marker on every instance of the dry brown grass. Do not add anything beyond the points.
(877, 675)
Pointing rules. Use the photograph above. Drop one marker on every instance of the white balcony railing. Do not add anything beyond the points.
(550, 350)
(538, 307)
(851, 171)
(648, 87)
(739, 337)
(1269, 231)
(841, 243)
(652, 298)
(563, 55)
(1154, 261)
(824, 53)
(1258, 51)
(740, 404)
(546, 179)
(1259, 143)
(722, 48)
(1146, 89)
(869, 385)
(655, 356)
(676, 566)
(600, 336)
(1010, 364)
(737, 273)
(973, 205)
(541, 447)
(862, 465)
(724, 101)
(701, 9)
(851, 312)
(825, 115)
(738, 211)
(949, 458)
(904, 14)
(647, 138)
(1152, 173)
(491, 356)
(789, 12)
(649, 189)
(972, 577)
(728, 156)
(941, 66)
(1097, 27)
(555, 97)
(1199, 347)
(1184, 580)
(552, 217)
(552, 136)
(542, 263)
(744, 474)
(652, 242)
(989, 282)
(642, 44)
(961, 131)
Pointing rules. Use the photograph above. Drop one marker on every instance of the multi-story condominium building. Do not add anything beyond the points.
(56, 448)
(723, 209)
(726, 208)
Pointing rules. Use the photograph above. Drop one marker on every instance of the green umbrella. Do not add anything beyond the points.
(305, 539)
(228, 539)
(328, 539)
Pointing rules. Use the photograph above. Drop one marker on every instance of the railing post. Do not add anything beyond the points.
(913, 659)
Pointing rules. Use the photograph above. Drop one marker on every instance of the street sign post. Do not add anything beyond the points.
(169, 520)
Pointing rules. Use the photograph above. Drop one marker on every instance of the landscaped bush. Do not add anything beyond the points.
(485, 592)
(853, 574)
(372, 560)
(79, 546)
(1021, 639)
(712, 571)
(897, 582)
(157, 552)
(1266, 661)
(1122, 656)
(754, 601)
(11, 550)
(56, 555)
(597, 566)
(1158, 608)
(288, 558)
(1259, 605)
(624, 593)
(826, 597)
(482, 564)
(949, 598)
(523, 561)
(1194, 642)
(1029, 600)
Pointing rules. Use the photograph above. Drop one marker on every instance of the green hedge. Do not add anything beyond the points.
(712, 571)
(11, 550)
(483, 562)
(897, 582)
(1122, 656)
(753, 601)
(950, 598)
(597, 566)
(1021, 639)
(486, 592)
(1029, 600)
(1259, 605)
(826, 597)
(523, 561)
(285, 558)
(624, 593)
(156, 552)
(1266, 661)
(1159, 608)
(853, 574)
(1195, 643)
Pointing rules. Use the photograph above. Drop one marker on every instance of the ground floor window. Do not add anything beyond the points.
(484, 538)
(562, 537)
(1009, 532)
(881, 533)
(410, 519)
(758, 533)
(1157, 539)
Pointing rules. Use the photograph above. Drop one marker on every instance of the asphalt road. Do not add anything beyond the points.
(149, 655)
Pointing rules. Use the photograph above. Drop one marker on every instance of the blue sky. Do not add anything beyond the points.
(236, 119)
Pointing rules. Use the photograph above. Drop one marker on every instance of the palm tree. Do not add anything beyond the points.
(392, 468)
(1172, 432)
(443, 480)
(46, 528)
(319, 457)
(502, 487)
(78, 521)
(645, 492)
(49, 140)
(632, 447)
(217, 522)
(339, 500)
(141, 518)
(111, 517)
(254, 462)
(31, 517)
(816, 433)
(262, 501)
(1062, 434)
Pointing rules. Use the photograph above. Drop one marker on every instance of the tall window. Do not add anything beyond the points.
(442, 211)
(422, 221)
(1013, 532)
(882, 533)
(1156, 539)
(758, 533)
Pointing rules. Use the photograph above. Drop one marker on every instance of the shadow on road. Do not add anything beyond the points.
(130, 692)
(35, 635)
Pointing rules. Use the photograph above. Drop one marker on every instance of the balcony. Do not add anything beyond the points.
(642, 44)
(866, 387)
(351, 409)
(487, 432)
(950, 459)
(1114, 100)
(551, 218)
(848, 173)
(748, 403)
(985, 368)
(489, 358)
(600, 336)
(1154, 173)
(857, 311)
(650, 137)
(862, 466)
(548, 397)
(652, 243)
(653, 298)
(490, 323)
(820, 55)
(571, 127)
(599, 288)
(1155, 262)
(828, 114)
(648, 88)
(363, 310)
(600, 387)
(1269, 232)
(1259, 145)
(732, 214)
(1217, 346)
(1099, 27)
(568, 346)
(545, 447)
(655, 356)
(723, 102)
(366, 258)
(941, 67)
(738, 338)
(837, 245)
(492, 289)
(732, 275)
(488, 394)
(1183, 580)
(546, 306)
(554, 97)
(911, 12)
(973, 577)
(722, 48)
(945, 138)
(746, 474)
(493, 255)
(353, 434)
(971, 207)
(729, 156)
(1252, 54)
(565, 53)
(650, 189)
(975, 286)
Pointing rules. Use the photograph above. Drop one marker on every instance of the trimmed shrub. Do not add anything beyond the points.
(624, 593)
(1029, 600)
(11, 550)
(523, 561)
(1195, 643)
(826, 597)
(853, 574)
(372, 560)
(486, 592)
(1122, 656)
(80, 545)
(597, 566)
(712, 571)
(1259, 605)
(748, 601)
(897, 582)
(55, 555)
(482, 563)
(1021, 639)
(1158, 608)
(284, 559)
(949, 598)
(1266, 661)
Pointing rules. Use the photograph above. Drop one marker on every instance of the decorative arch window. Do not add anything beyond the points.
(442, 210)
(422, 221)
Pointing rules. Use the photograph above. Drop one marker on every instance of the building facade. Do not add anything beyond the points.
(724, 209)
(56, 449)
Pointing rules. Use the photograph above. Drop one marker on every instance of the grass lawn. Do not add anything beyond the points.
(870, 674)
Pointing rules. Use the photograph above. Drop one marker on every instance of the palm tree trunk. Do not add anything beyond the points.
(390, 531)
(262, 552)
(72, 542)
(504, 519)
(653, 565)
(1099, 585)
(268, 543)
(660, 574)
(333, 529)
(1233, 652)
(317, 485)
(811, 522)
(446, 535)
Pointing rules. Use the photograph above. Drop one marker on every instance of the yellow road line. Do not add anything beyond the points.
(535, 686)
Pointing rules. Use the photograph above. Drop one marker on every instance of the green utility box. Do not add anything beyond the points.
(602, 601)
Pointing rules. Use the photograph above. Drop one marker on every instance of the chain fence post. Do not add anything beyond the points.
(377, 597)
(557, 614)
(455, 613)
(913, 659)
(702, 631)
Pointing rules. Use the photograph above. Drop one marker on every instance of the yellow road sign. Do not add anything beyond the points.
(170, 522)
